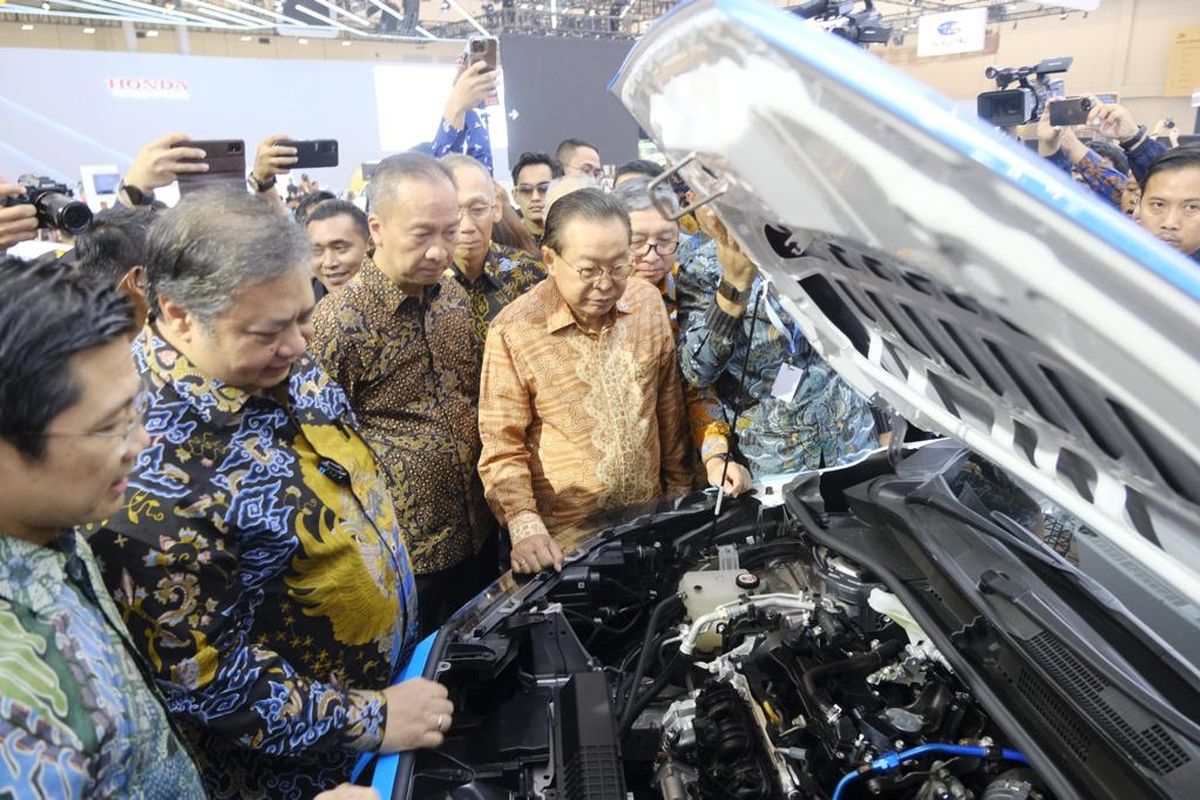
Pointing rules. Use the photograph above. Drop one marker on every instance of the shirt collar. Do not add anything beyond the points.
(167, 368)
(561, 316)
(381, 290)
(32, 575)
(490, 276)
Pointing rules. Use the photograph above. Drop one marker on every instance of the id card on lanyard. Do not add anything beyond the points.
(787, 382)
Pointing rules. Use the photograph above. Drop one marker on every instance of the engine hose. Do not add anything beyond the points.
(638, 702)
(890, 761)
(669, 605)
(811, 679)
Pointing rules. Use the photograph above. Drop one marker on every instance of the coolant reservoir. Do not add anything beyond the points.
(704, 591)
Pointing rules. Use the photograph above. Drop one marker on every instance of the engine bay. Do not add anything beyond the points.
(695, 661)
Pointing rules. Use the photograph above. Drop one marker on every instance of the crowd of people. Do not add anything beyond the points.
(252, 451)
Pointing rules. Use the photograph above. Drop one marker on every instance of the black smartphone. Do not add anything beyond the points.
(1071, 111)
(483, 48)
(313, 153)
(226, 159)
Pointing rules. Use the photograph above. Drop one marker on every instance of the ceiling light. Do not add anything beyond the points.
(45, 6)
(302, 41)
(345, 43)
(89, 30)
(247, 38)
(445, 5)
(26, 27)
(152, 34)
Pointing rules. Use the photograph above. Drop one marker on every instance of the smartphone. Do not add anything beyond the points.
(1071, 111)
(313, 153)
(226, 159)
(483, 48)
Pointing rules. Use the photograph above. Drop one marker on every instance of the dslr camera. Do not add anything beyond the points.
(1006, 107)
(55, 205)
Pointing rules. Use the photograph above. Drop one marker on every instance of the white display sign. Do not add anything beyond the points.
(149, 88)
(952, 32)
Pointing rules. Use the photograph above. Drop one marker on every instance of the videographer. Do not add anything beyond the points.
(17, 223)
(1061, 146)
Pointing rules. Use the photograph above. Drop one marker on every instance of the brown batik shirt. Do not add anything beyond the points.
(507, 274)
(410, 366)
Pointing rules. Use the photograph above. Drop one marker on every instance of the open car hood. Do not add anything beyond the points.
(944, 270)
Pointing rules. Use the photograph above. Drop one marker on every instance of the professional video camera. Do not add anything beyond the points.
(1006, 107)
(860, 27)
(55, 208)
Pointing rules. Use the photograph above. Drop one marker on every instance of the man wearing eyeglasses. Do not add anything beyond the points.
(531, 176)
(492, 275)
(577, 157)
(580, 402)
(653, 245)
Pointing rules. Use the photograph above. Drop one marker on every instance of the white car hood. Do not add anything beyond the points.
(946, 271)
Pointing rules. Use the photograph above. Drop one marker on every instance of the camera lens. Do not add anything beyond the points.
(60, 211)
(477, 46)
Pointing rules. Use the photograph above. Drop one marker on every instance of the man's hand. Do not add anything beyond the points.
(1165, 128)
(534, 549)
(159, 163)
(737, 477)
(19, 223)
(475, 84)
(1048, 137)
(1112, 121)
(419, 713)
(272, 159)
(348, 791)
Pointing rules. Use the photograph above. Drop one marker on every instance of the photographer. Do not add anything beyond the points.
(462, 129)
(1113, 121)
(158, 164)
(1062, 147)
(17, 223)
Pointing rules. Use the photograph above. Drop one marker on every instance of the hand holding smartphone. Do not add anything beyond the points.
(226, 160)
(1068, 112)
(487, 50)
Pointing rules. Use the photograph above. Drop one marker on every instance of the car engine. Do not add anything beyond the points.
(751, 664)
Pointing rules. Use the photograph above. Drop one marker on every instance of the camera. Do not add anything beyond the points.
(1006, 107)
(862, 27)
(54, 204)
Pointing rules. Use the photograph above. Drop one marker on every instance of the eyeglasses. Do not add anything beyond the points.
(528, 189)
(124, 435)
(477, 213)
(615, 272)
(644, 249)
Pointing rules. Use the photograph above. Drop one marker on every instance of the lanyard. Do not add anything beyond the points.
(792, 337)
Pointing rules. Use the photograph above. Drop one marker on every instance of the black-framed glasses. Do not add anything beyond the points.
(616, 272)
(528, 189)
(123, 434)
(644, 249)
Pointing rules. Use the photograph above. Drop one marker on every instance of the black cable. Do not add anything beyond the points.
(671, 605)
(638, 703)
(737, 401)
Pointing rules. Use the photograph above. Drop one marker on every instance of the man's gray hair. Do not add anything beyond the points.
(460, 161)
(396, 170)
(634, 195)
(216, 241)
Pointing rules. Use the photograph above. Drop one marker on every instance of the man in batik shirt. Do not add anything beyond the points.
(257, 560)
(492, 275)
(580, 402)
(652, 249)
(78, 717)
(793, 412)
(400, 341)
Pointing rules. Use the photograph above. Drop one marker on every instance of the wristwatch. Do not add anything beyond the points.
(136, 196)
(264, 186)
(1136, 139)
(731, 292)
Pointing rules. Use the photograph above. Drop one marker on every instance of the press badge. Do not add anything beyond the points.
(787, 382)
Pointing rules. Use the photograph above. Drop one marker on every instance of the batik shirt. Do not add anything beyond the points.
(410, 365)
(507, 274)
(823, 424)
(574, 421)
(77, 716)
(259, 567)
(1103, 180)
(472, 139)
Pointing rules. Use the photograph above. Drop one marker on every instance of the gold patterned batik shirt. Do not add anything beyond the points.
(507, 274)
(574, 422)
(259, 568)
(410, 365)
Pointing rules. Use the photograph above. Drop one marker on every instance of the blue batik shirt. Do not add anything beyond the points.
(260, 568)
(824, 424)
